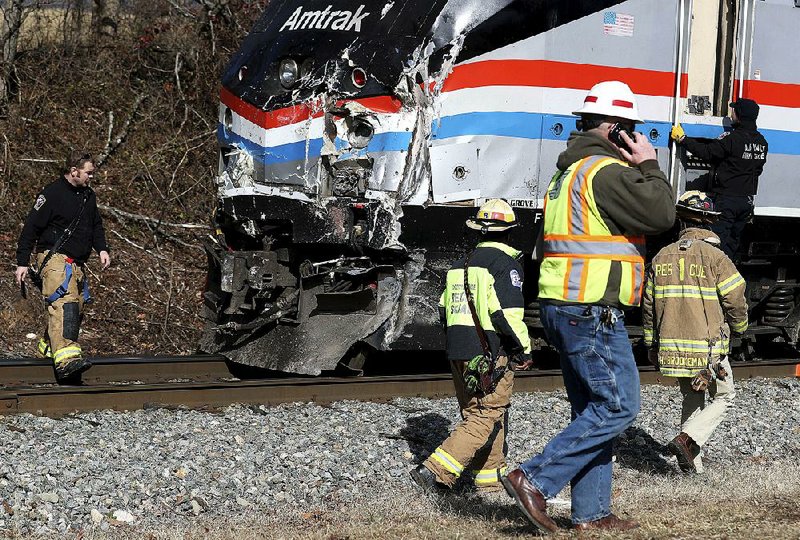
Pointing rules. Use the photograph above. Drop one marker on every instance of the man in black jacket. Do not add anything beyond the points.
(737, 158)
(65, 220)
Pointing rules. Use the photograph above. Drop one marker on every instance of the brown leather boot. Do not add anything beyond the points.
(609, 522)
(685, 449)
(529, 500)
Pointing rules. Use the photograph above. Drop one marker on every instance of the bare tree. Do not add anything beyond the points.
(105, 17)
(9, 35)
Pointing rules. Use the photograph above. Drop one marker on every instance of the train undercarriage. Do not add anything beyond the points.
(306, 289)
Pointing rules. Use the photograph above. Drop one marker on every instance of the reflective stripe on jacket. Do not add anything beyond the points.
(495, 278)
(693, 298)
(578, 245)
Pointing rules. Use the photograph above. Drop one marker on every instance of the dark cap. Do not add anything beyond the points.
(746, 109)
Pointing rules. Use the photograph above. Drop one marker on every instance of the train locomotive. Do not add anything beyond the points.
(356, 136)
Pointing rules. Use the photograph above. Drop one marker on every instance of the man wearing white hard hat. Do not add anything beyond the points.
(607, 194)
(482, 309)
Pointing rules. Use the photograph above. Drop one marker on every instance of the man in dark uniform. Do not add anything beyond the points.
(65, 220)
(737, 157)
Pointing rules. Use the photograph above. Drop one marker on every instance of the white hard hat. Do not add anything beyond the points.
(611, 98)
(496, 215)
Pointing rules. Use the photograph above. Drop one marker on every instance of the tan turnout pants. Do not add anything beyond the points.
(698, 418)
(478, 441)
(63, 315)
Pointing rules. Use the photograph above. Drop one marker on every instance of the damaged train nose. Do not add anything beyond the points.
(359, 132)
(325, 138)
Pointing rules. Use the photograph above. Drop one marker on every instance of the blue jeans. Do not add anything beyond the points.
(602, 384)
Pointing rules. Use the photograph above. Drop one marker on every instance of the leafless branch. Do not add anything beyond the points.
(138, 322)
(9, 35)
(137, 246)
(112, 145)
(6, 165)
(139, 217)
(182, 10)
(110, 128)
(169, 296)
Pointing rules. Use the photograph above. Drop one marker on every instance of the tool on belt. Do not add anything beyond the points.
(36, 274)
(481, 374)
(713, 370)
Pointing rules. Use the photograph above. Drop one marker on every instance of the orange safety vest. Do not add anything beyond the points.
(578, 244)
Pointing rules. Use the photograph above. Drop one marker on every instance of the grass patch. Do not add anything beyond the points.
(750, 500)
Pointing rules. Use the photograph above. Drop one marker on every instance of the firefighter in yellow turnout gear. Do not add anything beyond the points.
(477, 445)
(693, 300)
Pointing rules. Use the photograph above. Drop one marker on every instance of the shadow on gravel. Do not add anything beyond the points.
(424, 433)
(636, 449)
(473, 506)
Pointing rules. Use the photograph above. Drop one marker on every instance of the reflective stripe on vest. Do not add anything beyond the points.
(579, 244)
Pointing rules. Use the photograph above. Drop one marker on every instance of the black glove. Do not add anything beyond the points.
(521, 362)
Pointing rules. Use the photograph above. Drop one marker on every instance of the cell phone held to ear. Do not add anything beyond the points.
(615, 137)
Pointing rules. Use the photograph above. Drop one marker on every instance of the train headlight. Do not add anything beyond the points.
(359, 133)
(359, 77)
(288, 72)
(227, 120)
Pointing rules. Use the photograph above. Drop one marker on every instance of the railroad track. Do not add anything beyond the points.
(207, 381)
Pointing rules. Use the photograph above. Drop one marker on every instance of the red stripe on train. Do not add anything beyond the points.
(300, 112)
(541, 73)
(770, 93)
(552, 74)
(269, 119)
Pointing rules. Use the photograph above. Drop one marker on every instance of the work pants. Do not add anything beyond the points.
(698, 418)
(478, 441)
(64, 314)
(602, 384)
(735, 212)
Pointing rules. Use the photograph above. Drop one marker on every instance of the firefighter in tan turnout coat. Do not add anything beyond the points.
(693, 300)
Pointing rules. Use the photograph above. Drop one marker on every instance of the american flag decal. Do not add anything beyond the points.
(617, 24)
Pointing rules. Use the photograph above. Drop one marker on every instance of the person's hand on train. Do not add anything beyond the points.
(677, 134)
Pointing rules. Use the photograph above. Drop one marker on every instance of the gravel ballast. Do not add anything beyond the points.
(158, 468)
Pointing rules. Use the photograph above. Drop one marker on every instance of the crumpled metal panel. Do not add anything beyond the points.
(315, 346)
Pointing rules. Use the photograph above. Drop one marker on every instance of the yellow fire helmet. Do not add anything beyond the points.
(495, 215)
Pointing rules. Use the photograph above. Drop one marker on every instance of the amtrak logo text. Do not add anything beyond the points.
(346, 21)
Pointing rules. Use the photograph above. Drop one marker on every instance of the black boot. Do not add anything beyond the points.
(425, 479)
(71, 369)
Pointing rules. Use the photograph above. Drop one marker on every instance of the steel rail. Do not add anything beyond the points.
(59, 400)
(144, 369)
